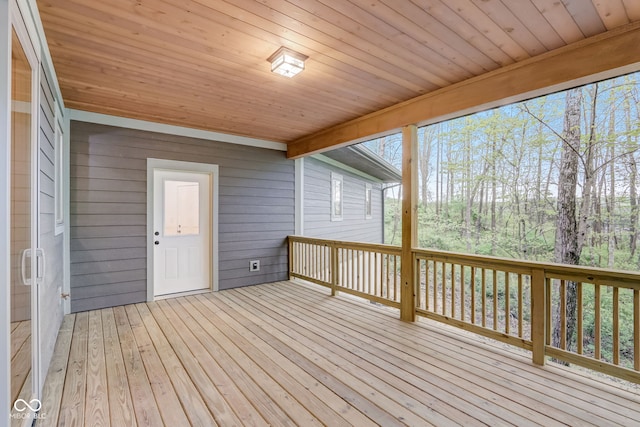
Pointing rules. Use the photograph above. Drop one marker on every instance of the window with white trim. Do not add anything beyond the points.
(368, 208)
(336, 196)
(59, 178)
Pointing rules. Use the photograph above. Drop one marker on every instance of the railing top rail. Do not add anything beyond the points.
(373, 247)
(552, 270)
(595, 275)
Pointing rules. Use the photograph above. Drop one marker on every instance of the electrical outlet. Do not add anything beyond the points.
(254, 265)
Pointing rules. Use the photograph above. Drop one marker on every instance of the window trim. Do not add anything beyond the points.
(336, 177)
(58, 155)
(368, 203)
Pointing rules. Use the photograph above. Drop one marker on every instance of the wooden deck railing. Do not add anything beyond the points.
(475, 294)
(362, 269)
(517, 302)
(526, 303)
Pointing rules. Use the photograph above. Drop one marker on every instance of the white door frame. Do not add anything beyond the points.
(16, 14)
(174, 165)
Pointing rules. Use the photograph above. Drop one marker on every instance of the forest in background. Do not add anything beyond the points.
(489, 182)
(552, 179)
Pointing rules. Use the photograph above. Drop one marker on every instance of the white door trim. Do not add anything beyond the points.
(174, 165)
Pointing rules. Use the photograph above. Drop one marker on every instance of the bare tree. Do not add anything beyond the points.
(566, 248)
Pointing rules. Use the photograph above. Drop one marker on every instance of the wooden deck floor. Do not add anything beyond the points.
(20, 360)
(289, 354)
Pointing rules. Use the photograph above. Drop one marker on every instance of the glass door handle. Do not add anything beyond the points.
(23, 267)
(41, 265)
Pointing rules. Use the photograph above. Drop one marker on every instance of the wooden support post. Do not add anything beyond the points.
(409, 221)
(538, 315)
(333, 251)
(291, 259)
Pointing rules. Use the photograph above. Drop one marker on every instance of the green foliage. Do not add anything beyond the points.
(490, 186)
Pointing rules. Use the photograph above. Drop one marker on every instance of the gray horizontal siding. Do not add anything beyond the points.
(51, 311)
(317, 205)
(108, 210)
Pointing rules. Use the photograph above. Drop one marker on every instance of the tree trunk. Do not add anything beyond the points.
(585, 205)
(438, 172)
(632, 146)
(494, 194)
(566, 242)
(612, 192)
(423, 162)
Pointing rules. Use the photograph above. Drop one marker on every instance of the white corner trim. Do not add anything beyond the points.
(124, 122)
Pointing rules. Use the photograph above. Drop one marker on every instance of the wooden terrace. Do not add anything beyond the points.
(288, 353)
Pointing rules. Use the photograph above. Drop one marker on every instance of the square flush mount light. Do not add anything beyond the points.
(287, 62)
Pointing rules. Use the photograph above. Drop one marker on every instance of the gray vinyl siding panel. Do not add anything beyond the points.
(108, 210)
(317, 205)
(51, 311)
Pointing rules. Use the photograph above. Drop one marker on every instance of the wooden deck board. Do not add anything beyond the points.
(394, 371)
(20, 360)
(144, 405)
(290, 354)
(119, 395)
(243, 380)
(542, 385)
(491, 379)
(97, 406)
(229, 405)
(166, 395)
(549, 388)
(54, 385)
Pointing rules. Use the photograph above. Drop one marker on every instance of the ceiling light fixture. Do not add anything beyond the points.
(287, 62)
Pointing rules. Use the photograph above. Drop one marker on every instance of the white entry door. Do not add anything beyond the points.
(182, 231)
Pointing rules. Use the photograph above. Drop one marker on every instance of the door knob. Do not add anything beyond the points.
(157, 242)
(157, 233)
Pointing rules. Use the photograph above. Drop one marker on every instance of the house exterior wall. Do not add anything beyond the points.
(317, 205)
(108, 210)
(50, 302)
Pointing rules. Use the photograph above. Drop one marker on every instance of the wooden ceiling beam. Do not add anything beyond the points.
(586, 61)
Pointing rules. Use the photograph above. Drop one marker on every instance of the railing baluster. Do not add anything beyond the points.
(353, 270)
(395, 278)
(484, 297)
(426, 284)
(579, 320)
(616, 325)
(636, 329)
(520, 306)
(597, 323)
(462, 287)
(547, 285)
(507, 308)
(374, 272)
(453, 290)
(495, 300)
(379, 273)
(417, 272)
(473, 295)
(435, 286)
(361, 259)
(563, 315)
(444, 289)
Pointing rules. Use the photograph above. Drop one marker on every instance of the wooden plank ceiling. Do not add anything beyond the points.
(202, 63)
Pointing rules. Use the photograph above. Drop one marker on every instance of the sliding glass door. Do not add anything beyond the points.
(23, 228)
